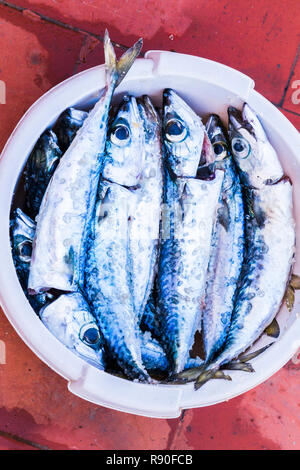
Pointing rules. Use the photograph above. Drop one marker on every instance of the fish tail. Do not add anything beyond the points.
(116, 70)
(250, 356)
(207, 375)
(236, 365)
(241, 364)
(273, 329)
(110, 59)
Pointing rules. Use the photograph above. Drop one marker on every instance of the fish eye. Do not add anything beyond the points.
(220, 149)
(175, 131)
(90, 334)
(240, 147)
(24, 251)
(120, 135)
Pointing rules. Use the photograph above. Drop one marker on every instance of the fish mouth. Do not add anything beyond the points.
(253, 123)
(235, 118)
(129, 106)
(207, 164)
(169, 104)
(215, 129)
(238, 120)
(168, 97)
(173, 103)
(147, 110)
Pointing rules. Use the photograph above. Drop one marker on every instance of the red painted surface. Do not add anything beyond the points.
(261, 39)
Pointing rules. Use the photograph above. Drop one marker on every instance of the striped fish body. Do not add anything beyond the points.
(225, 263)
(270, 241)
(59, 246)
(107, 278)
(184, 256)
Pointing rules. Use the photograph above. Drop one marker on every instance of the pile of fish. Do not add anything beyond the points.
(143, 229)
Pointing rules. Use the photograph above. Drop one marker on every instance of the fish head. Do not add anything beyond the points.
(218, 137)
(183, 135)
(46, 155)
(70, 320)
(150, 118)
(220, 142)
(254, 155)
(207, 164)
(124, 158)
(67, 125)
(23, 230)
(153, 143)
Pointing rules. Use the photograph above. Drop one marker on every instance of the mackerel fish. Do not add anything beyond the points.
(146, 213)
(269, 234)
(190, 199)
(59, 254)
(22, 230)
(227, 247)
(39, 169)
(108, 272)
(67, 126)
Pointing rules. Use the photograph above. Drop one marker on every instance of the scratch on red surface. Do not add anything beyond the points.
(13, 438)
(18, 422)
(89, 45)
(33, 16)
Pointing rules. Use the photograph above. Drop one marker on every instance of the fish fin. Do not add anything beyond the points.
(295, 282)
(220, 375)
(110, 59)
(207, 375)
(189, 375)
(116, 70)
(236, 365)
(127, 59)
(248, 357)
(292, 286)
(289, 297)
(273, 329)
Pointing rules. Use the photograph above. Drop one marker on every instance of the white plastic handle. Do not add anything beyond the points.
(166, 63)
(137, 398)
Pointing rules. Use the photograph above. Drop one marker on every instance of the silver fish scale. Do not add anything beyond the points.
(183, 261)
(225, 263)
(270, 247)
(58, 252)
(107, 278)
(144, 226)
(154, 357)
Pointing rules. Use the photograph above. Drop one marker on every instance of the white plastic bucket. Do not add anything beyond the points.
(208, 87)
